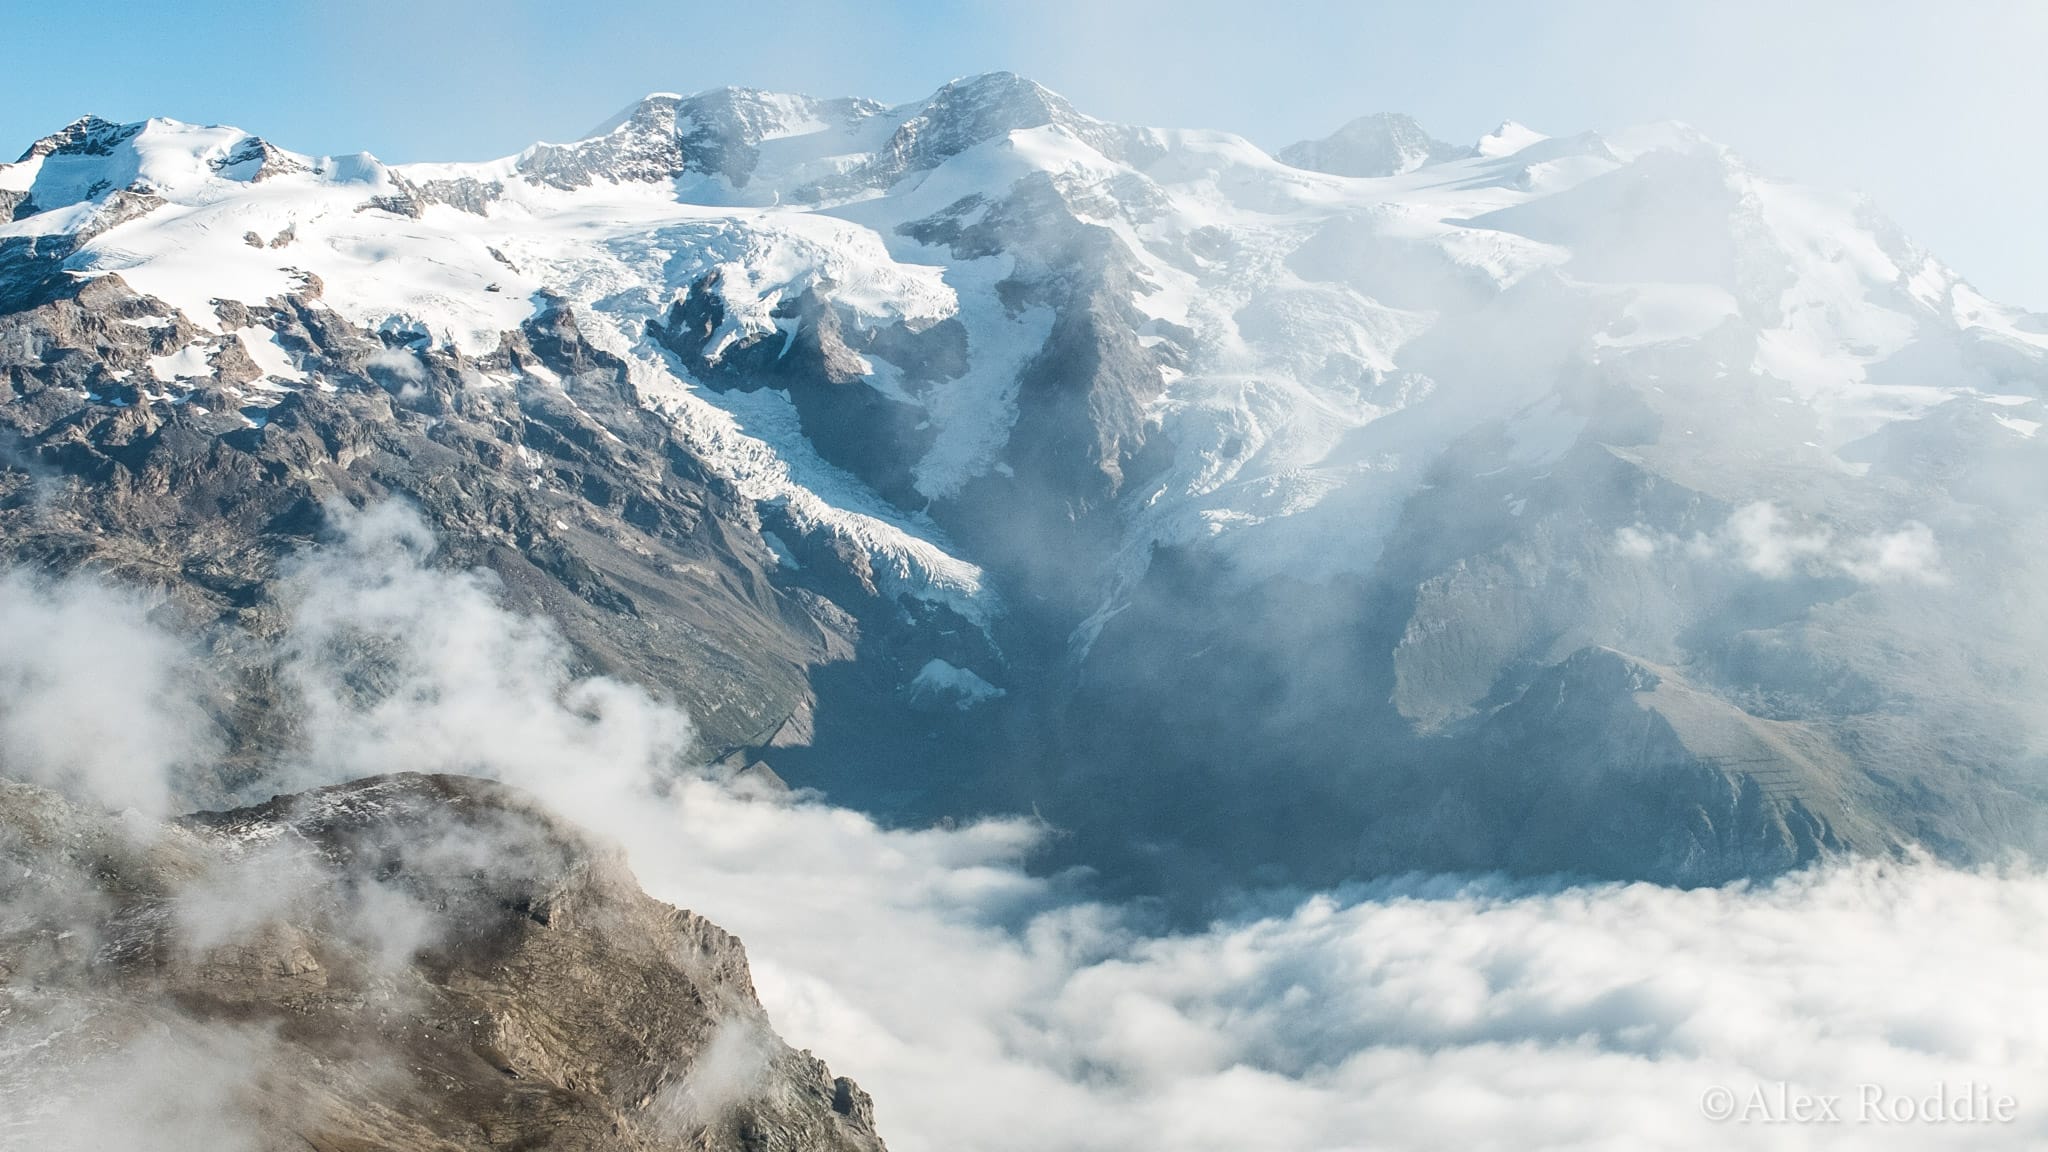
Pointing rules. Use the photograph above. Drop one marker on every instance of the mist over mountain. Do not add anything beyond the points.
(1094, 508)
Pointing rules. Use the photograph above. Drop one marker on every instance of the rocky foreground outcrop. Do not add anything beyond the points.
(406, 961)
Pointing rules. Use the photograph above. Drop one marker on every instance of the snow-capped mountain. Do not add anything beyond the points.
(1589, 502)
(1383, 144)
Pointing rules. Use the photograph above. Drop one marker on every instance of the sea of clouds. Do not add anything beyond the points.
(989, 1008)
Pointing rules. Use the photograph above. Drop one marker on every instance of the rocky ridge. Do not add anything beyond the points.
(406, 961)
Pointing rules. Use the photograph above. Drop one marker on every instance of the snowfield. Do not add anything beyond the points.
(1312, 309)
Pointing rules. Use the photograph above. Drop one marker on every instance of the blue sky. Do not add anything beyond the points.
(1935, 111)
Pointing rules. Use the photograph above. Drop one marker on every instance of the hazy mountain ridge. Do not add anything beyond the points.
(1263, 496)
(1383, 144)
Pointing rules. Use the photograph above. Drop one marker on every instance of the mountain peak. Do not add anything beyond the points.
(1511, 137)
(647, 112)
(88, 135)
(974, 108)
(1000, 84)
(715, 132)
(963, 113)
(1379, 144)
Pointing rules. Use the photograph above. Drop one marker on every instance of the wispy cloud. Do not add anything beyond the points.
(1768, 541)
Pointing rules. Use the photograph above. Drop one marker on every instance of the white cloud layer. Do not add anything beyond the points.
(1471, 1018)
(986, 1009)
(1767, 541)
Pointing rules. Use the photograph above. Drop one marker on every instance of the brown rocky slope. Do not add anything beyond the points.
(405, 961)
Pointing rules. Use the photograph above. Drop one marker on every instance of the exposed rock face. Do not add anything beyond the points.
(556, 480)
(85, 136)
(644, 148)
(257, 159)
(852, 425)
(406, 961)
(1085, 434)
(715, 133)
(1605, 763)
(85, 139)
